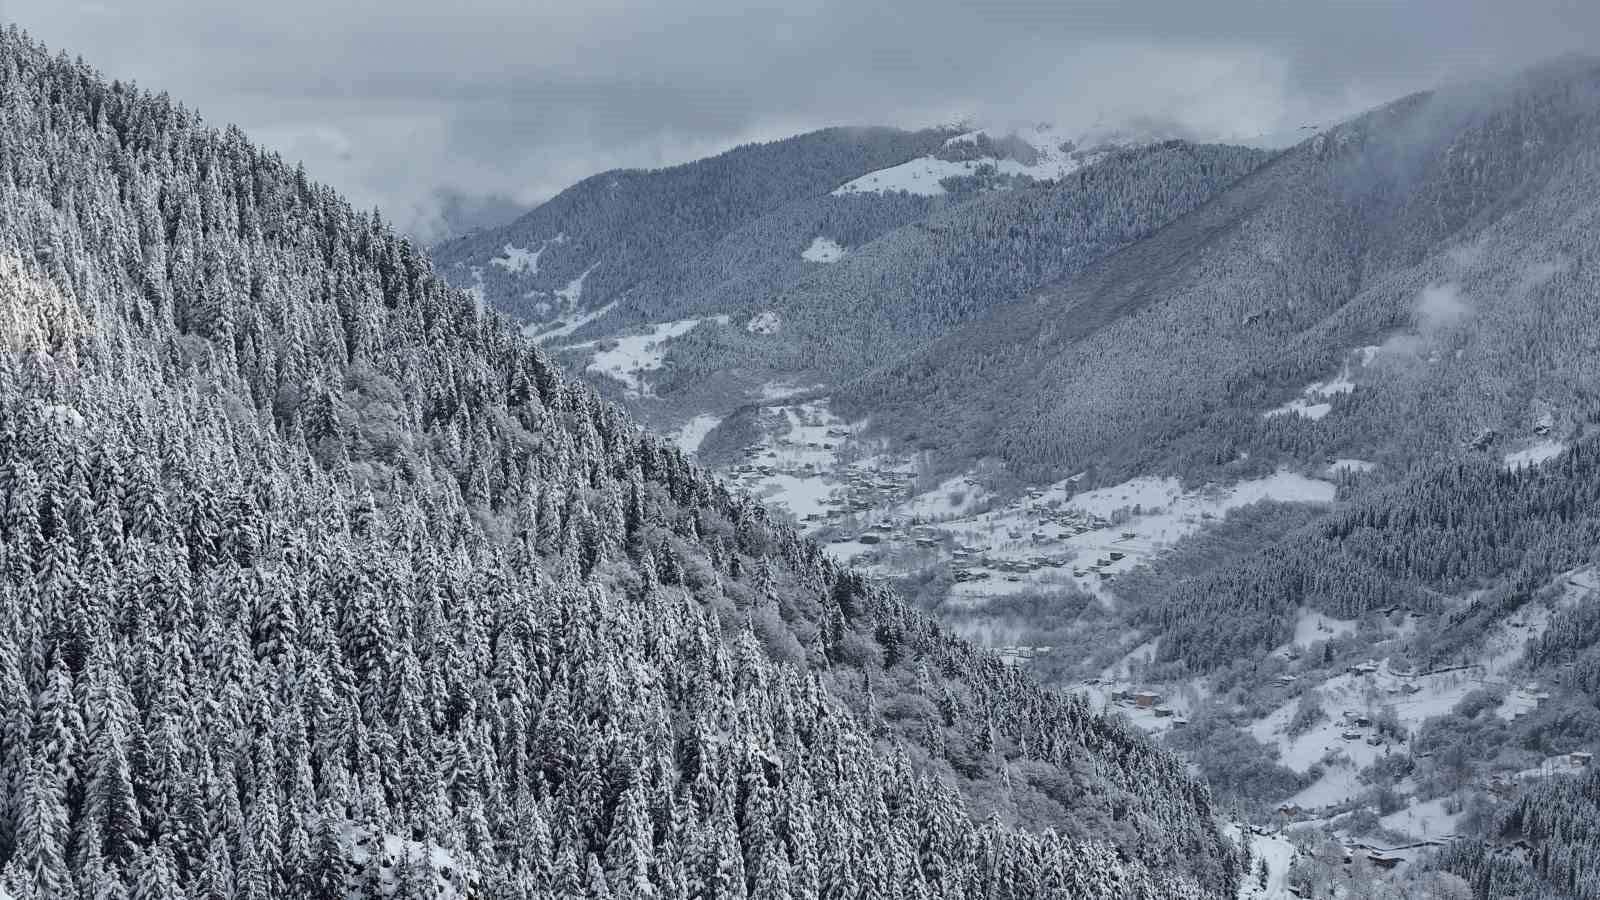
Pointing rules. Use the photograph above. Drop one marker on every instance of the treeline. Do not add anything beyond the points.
(1445, 530)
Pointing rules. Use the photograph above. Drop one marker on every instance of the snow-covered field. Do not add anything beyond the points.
(1534, 454)
(1313, 402)
(540, 333)
(634, 354)
(1338, 784)
(521, 259)
(801, 496)
(1342, 465)
(1136, 521)
(954, 496)
(822, 250)
(766, 322)
(573, 292)
(1349, 695)
(1278, 853)
(689, 436)
(1314, 626)
(778, 391)
(922, 175)
(1046, 540)
(1424, 820)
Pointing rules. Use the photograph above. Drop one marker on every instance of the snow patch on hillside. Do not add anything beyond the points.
(952, 497)
(1170, 511)
(1278, 854)
(822, 250)
(573, 292)
(630, 356)
(694, 431)
(1313, 626)
(479, 298)
(1538, 452)
(1340, 466)
(1313, 400)
(766, 322)
(1353, 698)
(922, 175)
(521, 259)
(1424, 820)
(1302, 408)
(541, 331)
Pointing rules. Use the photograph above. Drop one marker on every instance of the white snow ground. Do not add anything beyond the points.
(1534, 454)
(1350, 465)
(573, 292)
(539, 333)
(1314, 626)
(450, 879)
(635, 354)
(521, 259)
(692, 432)
(1424, 820)
(1278, 853)
(1313, 401)
(766, 322)
(822, 250)
(1146, 516)
(922, 175)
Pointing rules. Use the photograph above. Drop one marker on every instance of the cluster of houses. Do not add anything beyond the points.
(1149, 700)
(862, 488)
(972, 564)
(1357, 727)
(1017, 653)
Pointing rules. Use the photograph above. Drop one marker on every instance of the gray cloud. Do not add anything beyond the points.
(448, 114)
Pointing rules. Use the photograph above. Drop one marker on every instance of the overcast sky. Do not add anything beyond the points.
(447, 113)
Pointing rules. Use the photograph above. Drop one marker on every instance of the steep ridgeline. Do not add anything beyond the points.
(894, 295)
(797, 273)
(318, 581)
(604, 237)
(1427, 268)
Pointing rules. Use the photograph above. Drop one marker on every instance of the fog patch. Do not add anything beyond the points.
(1440, 307)
(1465, 256)
(1536, 275)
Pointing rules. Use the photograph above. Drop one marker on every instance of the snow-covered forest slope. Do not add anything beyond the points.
(318, 580)
(1434, 252)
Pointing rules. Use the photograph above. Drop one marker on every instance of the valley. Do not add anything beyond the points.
(867, 513)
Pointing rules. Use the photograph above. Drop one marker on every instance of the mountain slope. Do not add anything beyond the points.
(595, 242)
(914, 284)
(315, 578)
(792, 278)
(1445, 231)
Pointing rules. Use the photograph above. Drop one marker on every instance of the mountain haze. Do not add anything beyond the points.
(1312, 431)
